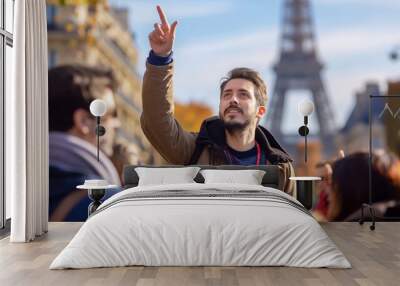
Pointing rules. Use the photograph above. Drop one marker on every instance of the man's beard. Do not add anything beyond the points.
(233, 127)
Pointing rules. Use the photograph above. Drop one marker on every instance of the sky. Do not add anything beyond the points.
(354, 38)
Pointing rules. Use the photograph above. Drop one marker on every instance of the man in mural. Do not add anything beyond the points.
(233, 137)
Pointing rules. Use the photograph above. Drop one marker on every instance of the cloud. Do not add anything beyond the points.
(343, 84)
(243, 40)
(379, 3)
(144, 12)
(200, 9)
(199, 65)
(354, 41)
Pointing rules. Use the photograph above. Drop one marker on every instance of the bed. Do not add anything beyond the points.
(201, 224)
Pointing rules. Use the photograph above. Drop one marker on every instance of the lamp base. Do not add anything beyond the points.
(372, 214)
(95, 195)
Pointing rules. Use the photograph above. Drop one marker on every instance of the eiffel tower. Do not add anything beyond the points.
(298, 68)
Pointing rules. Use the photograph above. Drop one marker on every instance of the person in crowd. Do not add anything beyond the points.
(324, 186)
(350, 186)
(324, 171)
(233, 137)
(73, 141)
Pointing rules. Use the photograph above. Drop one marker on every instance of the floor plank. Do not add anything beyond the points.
(374, 255)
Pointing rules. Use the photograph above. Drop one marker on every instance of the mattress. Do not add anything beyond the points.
(201, 225)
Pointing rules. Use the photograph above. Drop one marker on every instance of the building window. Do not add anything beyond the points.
(51, 12)
(6, 44)
(52, 59)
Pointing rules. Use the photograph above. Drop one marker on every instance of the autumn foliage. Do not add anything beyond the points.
(191, 115)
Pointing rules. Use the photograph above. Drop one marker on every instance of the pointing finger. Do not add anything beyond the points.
(163, 18)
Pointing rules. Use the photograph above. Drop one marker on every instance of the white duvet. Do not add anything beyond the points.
(207, 230)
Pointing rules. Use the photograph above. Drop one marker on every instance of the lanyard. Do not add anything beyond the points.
(258, 154)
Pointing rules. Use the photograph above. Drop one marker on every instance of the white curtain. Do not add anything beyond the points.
(27, 124)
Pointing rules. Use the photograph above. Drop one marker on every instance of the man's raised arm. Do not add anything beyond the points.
(157, 119)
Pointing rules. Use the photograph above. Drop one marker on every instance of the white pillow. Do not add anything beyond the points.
(162, 176)
(249, 177)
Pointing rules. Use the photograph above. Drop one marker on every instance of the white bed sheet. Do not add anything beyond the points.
(202, 231)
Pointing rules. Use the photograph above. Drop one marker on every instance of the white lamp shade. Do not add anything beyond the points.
(98, 107)
(306, 107)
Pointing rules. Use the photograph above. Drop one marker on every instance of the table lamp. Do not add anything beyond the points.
(98, 108)
(96, 188)
(305, 108)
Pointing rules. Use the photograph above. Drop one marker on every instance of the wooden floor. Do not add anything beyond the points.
(374, 255)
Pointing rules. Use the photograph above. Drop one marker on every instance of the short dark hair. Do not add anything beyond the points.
(72, 87)
(351, 185)
(251, 75)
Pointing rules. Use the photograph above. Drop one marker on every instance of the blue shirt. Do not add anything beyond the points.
(248, 157)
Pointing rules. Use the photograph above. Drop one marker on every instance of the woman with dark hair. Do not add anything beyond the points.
(350, 185)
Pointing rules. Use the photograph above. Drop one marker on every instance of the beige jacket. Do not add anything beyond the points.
(177, 145)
